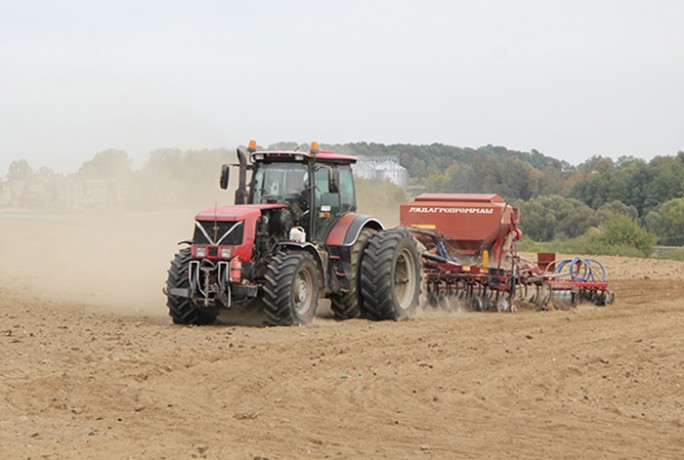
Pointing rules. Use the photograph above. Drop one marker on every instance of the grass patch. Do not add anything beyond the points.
(669, 253)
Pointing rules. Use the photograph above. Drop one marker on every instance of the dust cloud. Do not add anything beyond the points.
(381, 199)
(114, 259)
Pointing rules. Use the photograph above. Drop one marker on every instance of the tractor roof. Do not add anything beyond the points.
(323, 155)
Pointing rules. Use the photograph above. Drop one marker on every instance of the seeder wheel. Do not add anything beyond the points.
(476, 303)
(487, 304)
(432, 300)
(443, 301)
(604, 298)
(502, 305)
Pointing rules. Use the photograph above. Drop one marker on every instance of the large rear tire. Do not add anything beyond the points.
(290, 289)
(390, 275)
(181, 309)
(348, 304)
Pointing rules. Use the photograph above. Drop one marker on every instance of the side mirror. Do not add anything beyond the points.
(333, 180)
(225, 174)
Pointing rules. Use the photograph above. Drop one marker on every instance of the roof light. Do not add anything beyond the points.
(252, 146)
(314, 147)
(258, 156)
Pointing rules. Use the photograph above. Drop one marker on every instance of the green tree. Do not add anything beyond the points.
(607, 210)
(620, 235)
(666, 182)
(577, 221)
(518, 180)
(631, 181)
(488, 169)
(19, 170)
(546, 218)
(172, 178)
(109, 164)
(667, 222)
(596, 165)
(454, 180)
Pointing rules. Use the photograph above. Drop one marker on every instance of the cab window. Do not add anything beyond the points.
(278, 182)
(347, 197)
(344, 200)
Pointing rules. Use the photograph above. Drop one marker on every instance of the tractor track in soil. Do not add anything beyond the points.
(91, 366)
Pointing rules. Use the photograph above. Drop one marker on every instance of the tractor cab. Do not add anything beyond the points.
(315, 186)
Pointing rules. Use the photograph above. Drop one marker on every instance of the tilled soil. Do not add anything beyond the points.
(91, 367)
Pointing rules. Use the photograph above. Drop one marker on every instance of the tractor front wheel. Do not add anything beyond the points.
(290, 289)
(181, 309)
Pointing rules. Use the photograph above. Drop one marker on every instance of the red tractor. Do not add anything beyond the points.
(292, 236)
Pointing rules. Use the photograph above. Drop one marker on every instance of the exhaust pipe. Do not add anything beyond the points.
(241, 192)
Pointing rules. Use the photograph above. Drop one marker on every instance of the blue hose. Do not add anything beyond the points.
(581, 269)
(442, 252)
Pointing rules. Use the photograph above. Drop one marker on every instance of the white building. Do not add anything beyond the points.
(381, 168)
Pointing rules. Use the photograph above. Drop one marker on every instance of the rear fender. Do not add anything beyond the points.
(339, 244)
(347, 229)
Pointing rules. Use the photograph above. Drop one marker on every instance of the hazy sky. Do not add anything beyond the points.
(571, 79)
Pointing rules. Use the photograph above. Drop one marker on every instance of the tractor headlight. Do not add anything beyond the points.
(201, 252)
(225, 253)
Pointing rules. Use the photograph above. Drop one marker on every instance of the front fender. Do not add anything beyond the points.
(320, 259)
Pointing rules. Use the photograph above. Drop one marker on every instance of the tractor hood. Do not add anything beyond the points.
(247, 214)
(236, 212)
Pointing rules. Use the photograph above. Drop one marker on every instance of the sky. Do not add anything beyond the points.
(571, 79)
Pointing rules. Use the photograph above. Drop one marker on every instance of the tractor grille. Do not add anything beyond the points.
(218, 233)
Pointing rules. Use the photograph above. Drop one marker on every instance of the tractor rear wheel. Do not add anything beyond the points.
(181, 309)
(390, 275)
(290, 289)
(348, 305)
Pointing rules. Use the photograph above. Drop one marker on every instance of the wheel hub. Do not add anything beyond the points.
(301, 291)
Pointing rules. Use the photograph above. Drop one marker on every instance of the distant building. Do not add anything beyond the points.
(381, 168)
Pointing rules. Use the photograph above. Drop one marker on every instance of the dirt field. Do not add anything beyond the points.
(91, 367)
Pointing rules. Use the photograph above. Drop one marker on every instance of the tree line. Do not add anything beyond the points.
(169, 179)
(558, 200)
